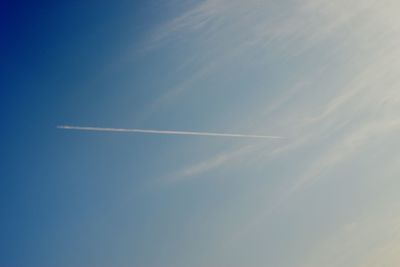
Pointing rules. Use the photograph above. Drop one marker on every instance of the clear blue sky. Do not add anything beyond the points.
(323, 74)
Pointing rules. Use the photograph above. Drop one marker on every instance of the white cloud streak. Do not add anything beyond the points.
(164, 132)
(209, 164)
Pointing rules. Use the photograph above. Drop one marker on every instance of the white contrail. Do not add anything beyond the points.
(98, 129)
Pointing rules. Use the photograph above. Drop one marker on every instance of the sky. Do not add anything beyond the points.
(323, 75)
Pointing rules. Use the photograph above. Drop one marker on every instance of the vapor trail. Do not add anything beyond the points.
(98, 129)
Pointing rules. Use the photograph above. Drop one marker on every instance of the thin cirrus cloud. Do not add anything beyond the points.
(341, 107)
(358, 76)
(214, 25)
(312, 23)
(222, 159)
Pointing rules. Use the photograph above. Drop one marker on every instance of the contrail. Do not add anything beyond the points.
(121, 130)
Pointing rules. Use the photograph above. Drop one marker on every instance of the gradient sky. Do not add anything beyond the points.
(324, 74)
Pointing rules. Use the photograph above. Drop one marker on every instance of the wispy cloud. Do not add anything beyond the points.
(341, 101)
(196, 18)
(292, 29)
(209, 164)
(372, 241)
(336, 111)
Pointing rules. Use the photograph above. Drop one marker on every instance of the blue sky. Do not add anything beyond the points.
(323, 74)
